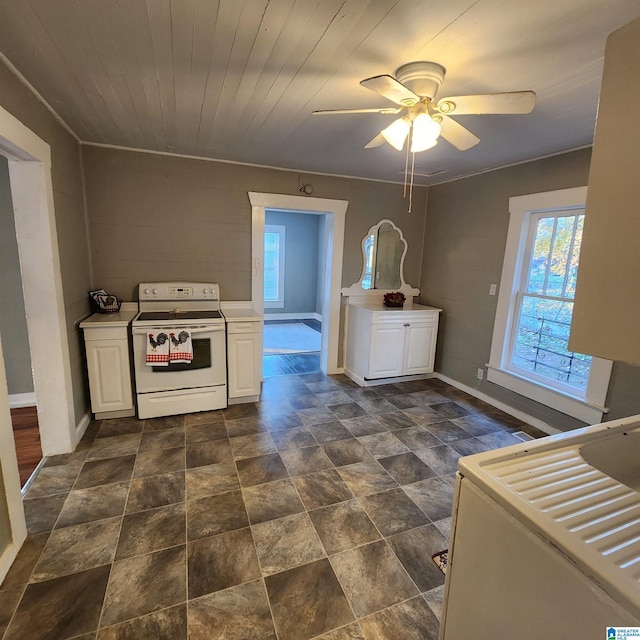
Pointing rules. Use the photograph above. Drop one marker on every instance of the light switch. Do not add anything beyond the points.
(492, 289)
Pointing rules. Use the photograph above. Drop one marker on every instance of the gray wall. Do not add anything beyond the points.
(13, 322)
(66, 173)
(300, 262)
(154, 217)
(464, 242)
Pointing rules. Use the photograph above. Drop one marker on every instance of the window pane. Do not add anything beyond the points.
(572, 274)
(560, 254)
(541, 343)
(540, 256)
(271, 265)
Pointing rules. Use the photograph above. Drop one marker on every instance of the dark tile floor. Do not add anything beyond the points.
(312, 514)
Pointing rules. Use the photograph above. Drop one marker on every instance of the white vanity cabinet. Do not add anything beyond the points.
(107, 346)
(244, 355)
(389, 343)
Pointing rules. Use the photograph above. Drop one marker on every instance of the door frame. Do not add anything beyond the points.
(335, 213)
(29, 159)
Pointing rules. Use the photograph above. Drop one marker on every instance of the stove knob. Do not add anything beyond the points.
(155, 292)
(205, 291)
(146, 292)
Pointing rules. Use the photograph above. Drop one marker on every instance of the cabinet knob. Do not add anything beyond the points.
(407, 324)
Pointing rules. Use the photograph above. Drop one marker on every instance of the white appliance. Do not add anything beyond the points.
(545, 540)
(199, 385)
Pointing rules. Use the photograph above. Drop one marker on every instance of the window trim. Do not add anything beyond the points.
(281, 231)
(588, 408)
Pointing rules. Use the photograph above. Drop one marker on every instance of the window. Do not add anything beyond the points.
(274, 250)
(529, 352)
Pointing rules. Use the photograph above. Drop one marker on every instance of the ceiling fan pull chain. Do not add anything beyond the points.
(413, 160)
(406, 172)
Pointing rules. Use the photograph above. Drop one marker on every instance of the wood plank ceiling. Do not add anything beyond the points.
(237, 79)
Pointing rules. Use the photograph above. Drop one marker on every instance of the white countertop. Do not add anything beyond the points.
(378, 306)
(122, 319)
(241, 315)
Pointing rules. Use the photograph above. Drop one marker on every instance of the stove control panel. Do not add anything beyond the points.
(181, 292)
(167, 291)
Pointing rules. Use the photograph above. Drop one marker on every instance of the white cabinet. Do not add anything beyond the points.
(389, 343)
(108, 364)
(244, 354)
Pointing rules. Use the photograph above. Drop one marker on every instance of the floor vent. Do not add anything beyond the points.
(521, 435)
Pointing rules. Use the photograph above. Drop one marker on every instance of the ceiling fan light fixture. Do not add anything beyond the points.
(396, 133)
(425, 133)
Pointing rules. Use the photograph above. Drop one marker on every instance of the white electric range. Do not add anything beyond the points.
(180, 387)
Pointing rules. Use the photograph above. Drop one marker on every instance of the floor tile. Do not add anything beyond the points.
(152, 530)
(333, 397)
(347, 410)
(394, 420)
(372, 578)
(375, 406)
(414, 549)
(95, 503)
(412, 620)
(204, 418)
(164, 439)
(444, 527)
(25, 561)
(221, 562)
(156, 491)
(450, 409)
(322, 488)
(307, 460)
(386, 390)
(286, 543)
(237, 613)
(168, 624)
(365, 478)
(114, 447)
(392, 511)
(406, 468)
(433, 496)
(343, 526)
(322, 386)
(358, 394)
(307, 601)
(423, 415)
(381, 445)
(363, 425)
(470, 446)
(146, 583)
(429, 397)
(52, 481)
(442, 459)
(270, 501)
(306, 401)
(216, 514)
(245, 426)
(235, 411)
(211, 480)
(315, 415)
(9, 599)
(119, 427)
(447, 432)
(402, 401)
(210, 452)
(41, 513)
(261, 469)
(204, 431)
(349, 632)
(417, 437)
(77, 548)
(343, 452)
(499, 439)
(294, 438)
(154, 461)
(60, 608)
(478, 424)
(434, 599)
(329, 431)
(99, 472)
(257, 444)
(164, 422)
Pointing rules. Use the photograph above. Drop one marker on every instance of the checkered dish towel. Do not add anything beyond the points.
(181, 347)
(157, 348)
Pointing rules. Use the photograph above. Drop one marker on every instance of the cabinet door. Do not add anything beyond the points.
(244, 365)
(419, 347)
(387, 347)
(109, 375)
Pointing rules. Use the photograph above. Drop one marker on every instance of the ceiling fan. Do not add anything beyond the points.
(424, 119)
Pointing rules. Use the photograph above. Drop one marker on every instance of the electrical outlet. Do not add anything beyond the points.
(480, 373)
(492, 289)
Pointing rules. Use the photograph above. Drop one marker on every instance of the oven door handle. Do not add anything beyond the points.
(193, 330)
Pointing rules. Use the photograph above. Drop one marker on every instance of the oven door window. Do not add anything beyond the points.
(201, 358)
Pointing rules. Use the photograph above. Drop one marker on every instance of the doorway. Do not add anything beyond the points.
(333, 212)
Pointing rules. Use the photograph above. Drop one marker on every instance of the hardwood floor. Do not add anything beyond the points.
(291, 363)
(27, 438)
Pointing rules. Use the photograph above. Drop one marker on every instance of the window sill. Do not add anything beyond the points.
(577, 408)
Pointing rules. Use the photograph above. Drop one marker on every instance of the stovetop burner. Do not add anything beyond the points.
(180, 315)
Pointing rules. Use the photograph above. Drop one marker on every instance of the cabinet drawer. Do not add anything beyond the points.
(243, 327)
(394, 317)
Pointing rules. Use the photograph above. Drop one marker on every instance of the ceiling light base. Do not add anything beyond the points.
(423, 78)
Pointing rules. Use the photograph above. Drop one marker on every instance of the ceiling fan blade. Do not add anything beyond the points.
(391, 89)
(460, 137)
(385, 110)
(376, 142)
(510, 102)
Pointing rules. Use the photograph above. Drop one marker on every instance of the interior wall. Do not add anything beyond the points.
(464, 243)
(155, 217)
(66, 174)
(300, 260)
(13, 322)
(322, 256)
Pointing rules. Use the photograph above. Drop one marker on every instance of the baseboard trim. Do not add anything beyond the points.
(81, 427)
(293, 316)
(18, 400)
(521, 415)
